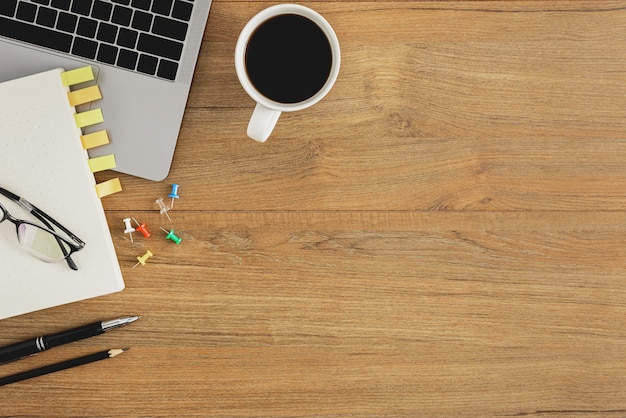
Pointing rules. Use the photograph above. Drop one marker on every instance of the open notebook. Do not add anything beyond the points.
(43, 160)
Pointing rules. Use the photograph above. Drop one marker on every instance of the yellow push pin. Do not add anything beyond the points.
(142, 259)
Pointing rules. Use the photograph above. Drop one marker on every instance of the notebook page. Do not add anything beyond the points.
(43, 162)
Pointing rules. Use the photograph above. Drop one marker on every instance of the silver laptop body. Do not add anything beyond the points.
(142, 111)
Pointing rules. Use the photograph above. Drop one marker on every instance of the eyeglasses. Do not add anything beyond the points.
(41, 242)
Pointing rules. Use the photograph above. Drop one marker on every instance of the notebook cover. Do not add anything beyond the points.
(43, 161)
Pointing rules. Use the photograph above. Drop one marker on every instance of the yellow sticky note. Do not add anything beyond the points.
(82, 96)
(90, 117)
(79, 75)
(108, 187)
(106, 162)
(94, 139)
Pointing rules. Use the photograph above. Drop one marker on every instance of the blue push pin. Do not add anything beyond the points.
(170, 235)
(174, 194)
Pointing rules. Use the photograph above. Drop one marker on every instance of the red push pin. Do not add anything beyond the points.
(142, 228)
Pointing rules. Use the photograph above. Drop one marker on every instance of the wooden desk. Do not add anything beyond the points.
(443, 235)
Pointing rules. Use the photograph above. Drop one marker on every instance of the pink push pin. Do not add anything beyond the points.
(143, 258)
(142, 228)
(129, 229)
(163, 209)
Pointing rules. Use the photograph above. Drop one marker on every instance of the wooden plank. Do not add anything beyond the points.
(366, 313)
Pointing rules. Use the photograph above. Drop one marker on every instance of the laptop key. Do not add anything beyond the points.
(35, 35)
(141, 4)
(142, 21)
(127, 59)
(87, 27)
(46, 17)
(158, 46)
(7, 7)
(162, 7)
(82, 7)
(67, 22)
(106, 33)
(122, 15)
(61, 4)
(167, 70)
(101, 10)
(84, 48)
(182, 10)
(26, 11)
(127, 38)
(147, 64)
(169, 28)
(107, 54)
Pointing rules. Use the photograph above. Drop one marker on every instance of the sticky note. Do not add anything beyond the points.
(79, 75)
(82, 96)
(90, 117)
(106, 162)
(108, 187)
(94, 139)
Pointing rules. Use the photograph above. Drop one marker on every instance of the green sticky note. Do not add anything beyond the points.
(79, 75)
(90, 117)
(106, 162)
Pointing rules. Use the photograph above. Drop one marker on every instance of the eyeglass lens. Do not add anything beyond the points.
(41, 243)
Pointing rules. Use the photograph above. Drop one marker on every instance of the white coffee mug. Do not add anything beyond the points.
(274, 70)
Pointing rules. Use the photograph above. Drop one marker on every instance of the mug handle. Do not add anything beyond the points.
(262, 122)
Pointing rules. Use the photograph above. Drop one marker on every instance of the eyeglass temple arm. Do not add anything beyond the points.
(35, 211)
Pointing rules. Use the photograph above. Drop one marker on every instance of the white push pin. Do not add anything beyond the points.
(129, 229)
(174, 194)
(163, 209)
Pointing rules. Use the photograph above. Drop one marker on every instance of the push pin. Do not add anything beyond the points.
(143, 258)
(163, 209)
(142, 228)
(174, 194)
(129, 229)
(170, 235)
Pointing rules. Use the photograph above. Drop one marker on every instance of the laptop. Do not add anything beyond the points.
(143, 53)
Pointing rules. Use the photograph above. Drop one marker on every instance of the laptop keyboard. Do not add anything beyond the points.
(145, 36)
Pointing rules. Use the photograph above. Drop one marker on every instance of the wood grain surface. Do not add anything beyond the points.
(442, 235)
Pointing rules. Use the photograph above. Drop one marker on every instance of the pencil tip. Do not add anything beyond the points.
(117, 351)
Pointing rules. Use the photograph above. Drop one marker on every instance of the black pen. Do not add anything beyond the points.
(27, 348)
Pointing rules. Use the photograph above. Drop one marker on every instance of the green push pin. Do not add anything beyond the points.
(170, 235)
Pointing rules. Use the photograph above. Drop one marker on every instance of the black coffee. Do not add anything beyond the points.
(288, 58)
